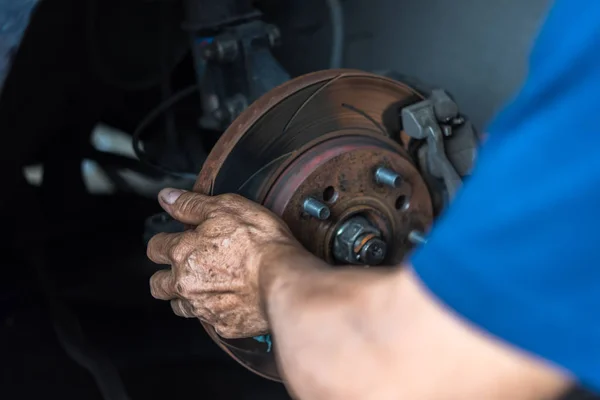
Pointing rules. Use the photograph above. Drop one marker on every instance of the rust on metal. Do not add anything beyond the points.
(322, 135)
(268, 102)
(347, 165)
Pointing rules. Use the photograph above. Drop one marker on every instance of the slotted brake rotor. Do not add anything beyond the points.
(324, 152)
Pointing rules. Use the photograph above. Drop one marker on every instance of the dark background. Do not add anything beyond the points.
(74, 264)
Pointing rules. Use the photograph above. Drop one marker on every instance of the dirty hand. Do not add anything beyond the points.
(216, 267)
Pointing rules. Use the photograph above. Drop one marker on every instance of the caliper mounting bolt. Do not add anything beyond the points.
(387, 177)
(316, 209)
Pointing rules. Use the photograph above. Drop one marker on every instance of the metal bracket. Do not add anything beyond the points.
(234, 68)
(421, 121)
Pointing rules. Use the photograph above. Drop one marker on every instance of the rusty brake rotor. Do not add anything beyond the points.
(324, 151)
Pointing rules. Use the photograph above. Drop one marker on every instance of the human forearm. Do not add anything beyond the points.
(339, 333)
(376, 334)
(317, 317)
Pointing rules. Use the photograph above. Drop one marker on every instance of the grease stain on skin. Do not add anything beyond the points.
(219, 274)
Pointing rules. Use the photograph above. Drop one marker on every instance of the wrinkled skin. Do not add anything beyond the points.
(341, 333)
(216, 266)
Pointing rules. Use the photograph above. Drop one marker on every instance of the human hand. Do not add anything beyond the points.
(215, 267)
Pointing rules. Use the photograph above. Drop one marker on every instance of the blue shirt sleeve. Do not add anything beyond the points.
(518, 252)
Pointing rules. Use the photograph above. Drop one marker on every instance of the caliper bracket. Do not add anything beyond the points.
(434, 120)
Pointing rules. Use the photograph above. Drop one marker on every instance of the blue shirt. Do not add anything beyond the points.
(518, 252)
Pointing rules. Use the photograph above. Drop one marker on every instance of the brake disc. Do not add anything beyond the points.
(325, 137)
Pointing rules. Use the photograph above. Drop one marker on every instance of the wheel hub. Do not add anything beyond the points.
(339, 172)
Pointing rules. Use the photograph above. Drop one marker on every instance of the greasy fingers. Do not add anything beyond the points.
(162, 285)
(216, 266)
(187, 207)
(171, 248)
(161, 247)
(194, 208)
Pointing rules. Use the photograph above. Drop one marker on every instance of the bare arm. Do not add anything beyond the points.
(380, 334)
(339, 333)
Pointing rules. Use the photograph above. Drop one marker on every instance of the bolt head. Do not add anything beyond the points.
(346, 237)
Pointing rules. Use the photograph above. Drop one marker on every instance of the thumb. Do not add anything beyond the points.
(187, 207)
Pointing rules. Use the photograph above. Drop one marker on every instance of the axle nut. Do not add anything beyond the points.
(357, 241)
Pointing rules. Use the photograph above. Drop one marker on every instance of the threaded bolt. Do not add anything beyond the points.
(316, 209)
(387, 177)
(417, 237)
